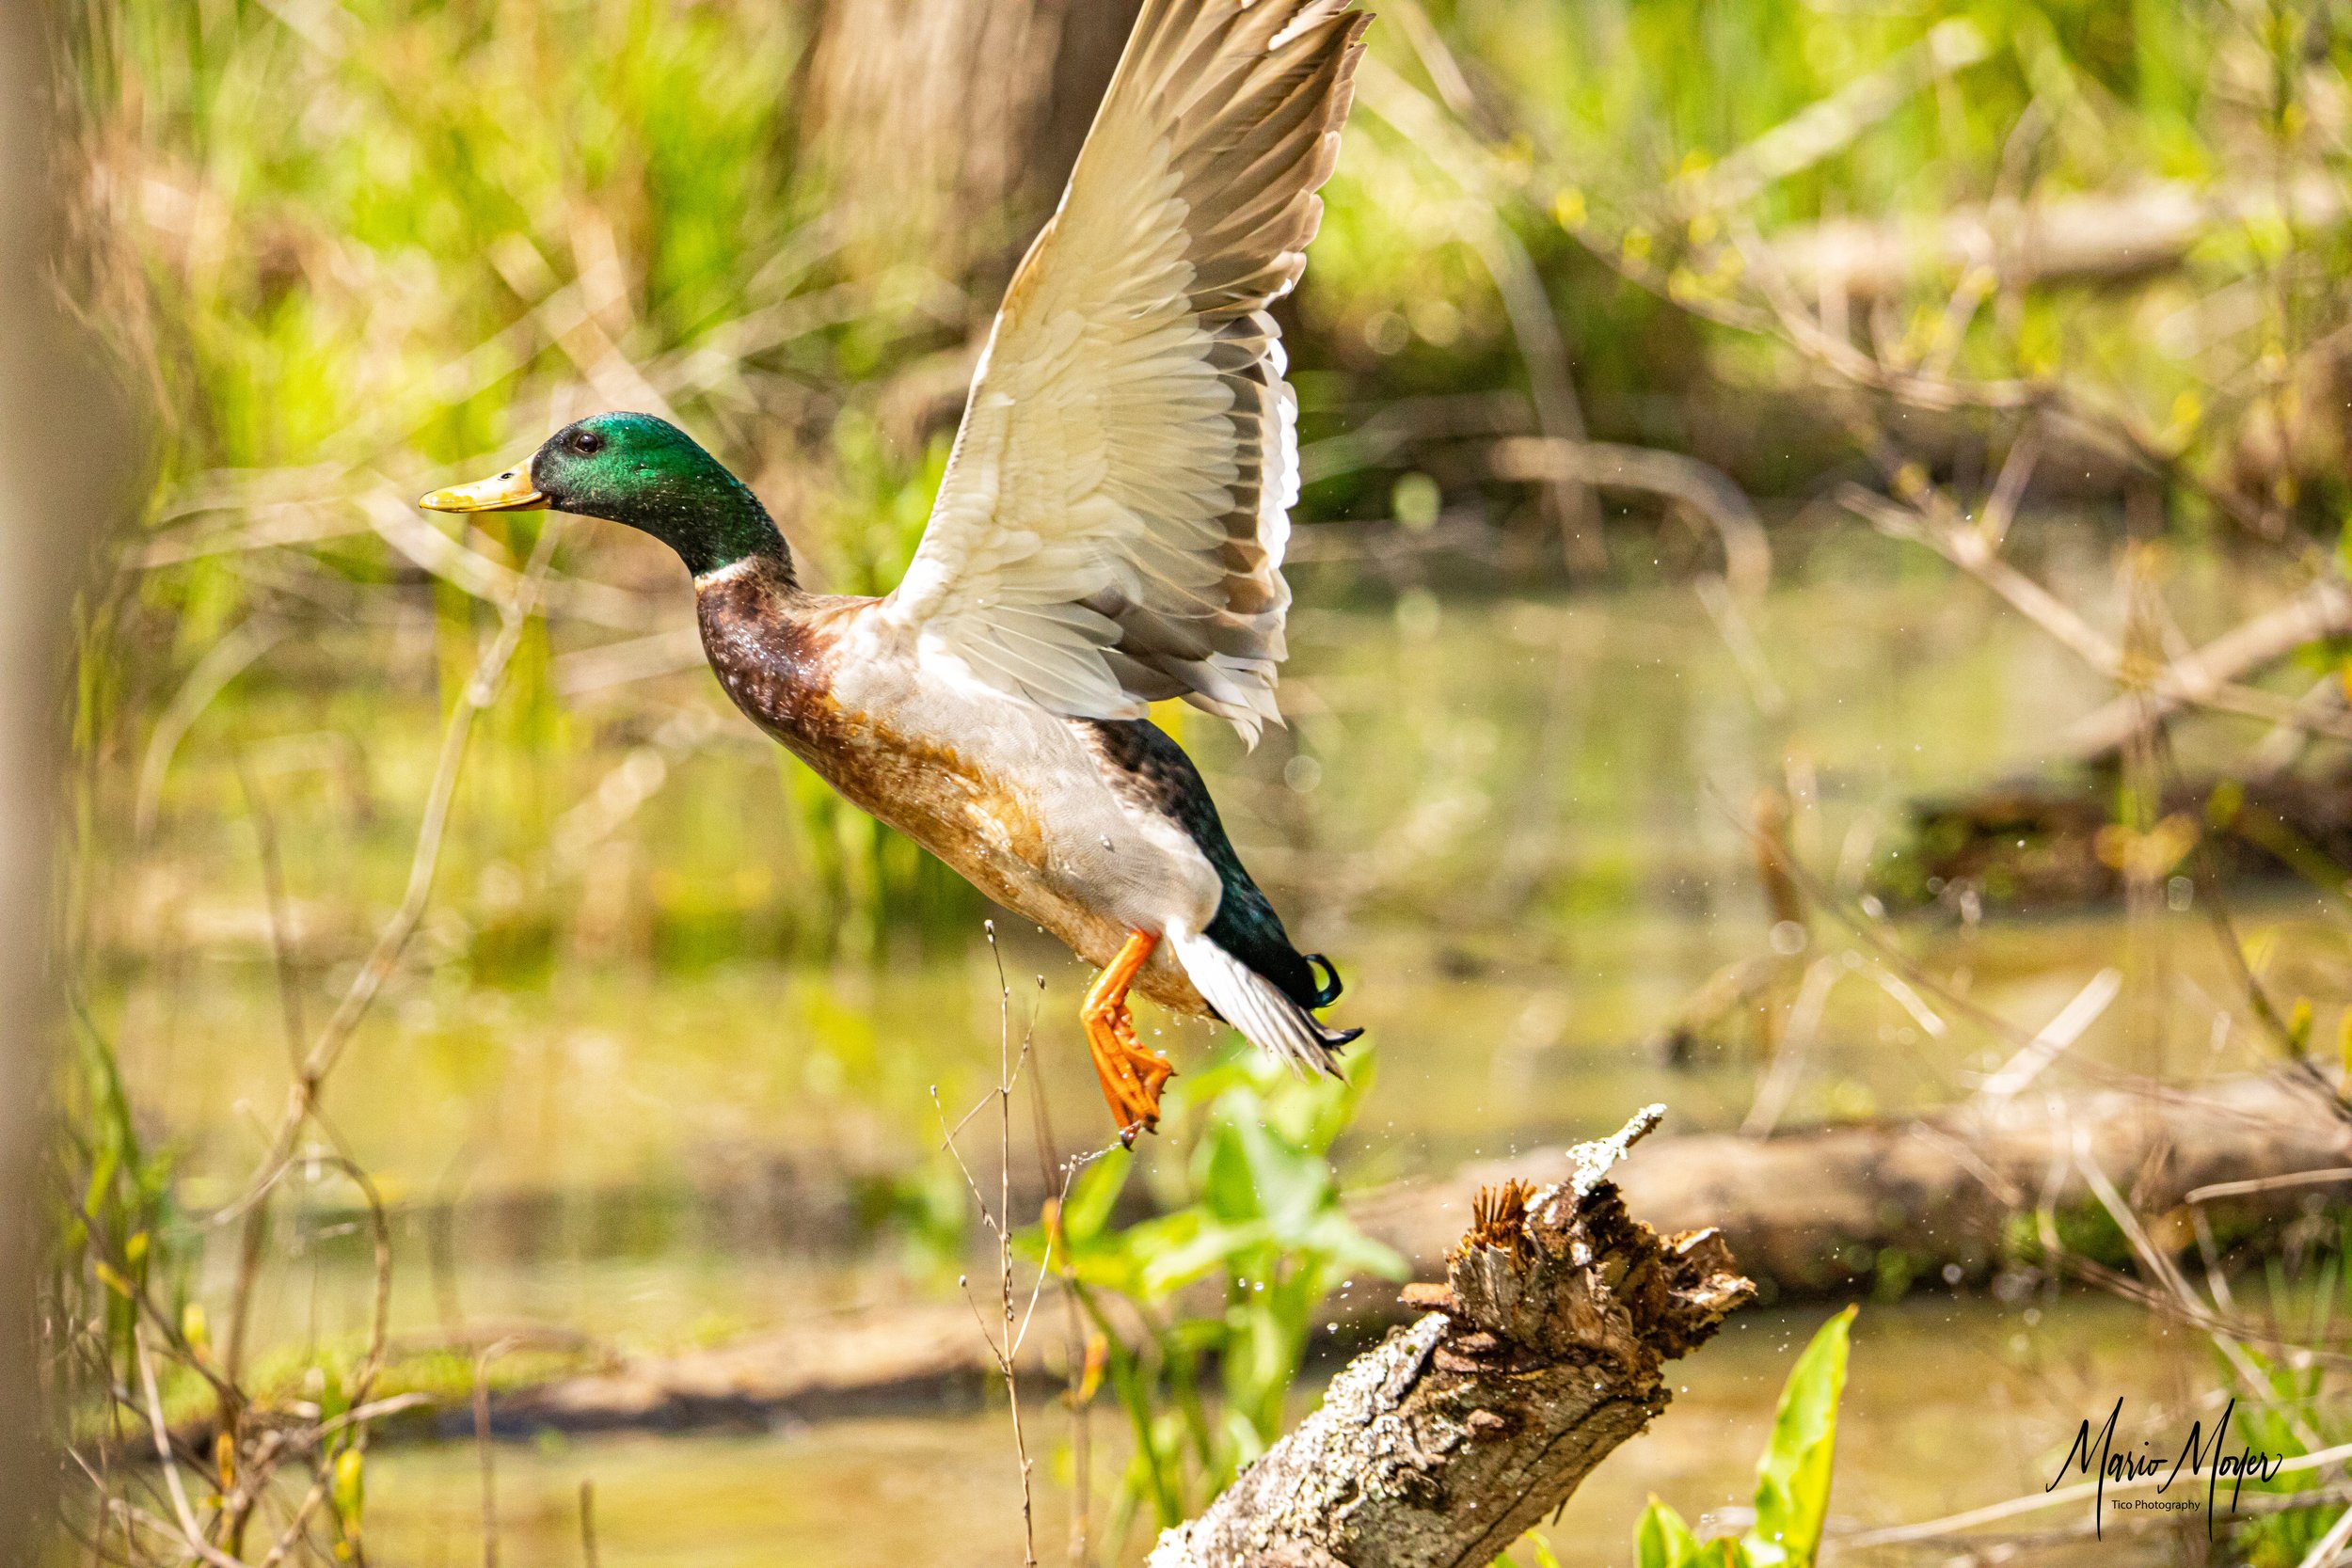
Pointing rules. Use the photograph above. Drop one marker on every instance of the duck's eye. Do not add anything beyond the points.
(587, 443)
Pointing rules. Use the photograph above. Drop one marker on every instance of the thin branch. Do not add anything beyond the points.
(1796, 1043)
(1703, 488)
(1973, 553)
(2053, 1038)
(192, 1536)
(2160, 1268)
(392, 938)
(2214, 1189)
(223, 662)
(2195, 680)
(482, 1449)
(2324, 1550)
(2321, 610)
(1534, 325)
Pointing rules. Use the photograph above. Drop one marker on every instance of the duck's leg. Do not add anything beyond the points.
(1130, 1074)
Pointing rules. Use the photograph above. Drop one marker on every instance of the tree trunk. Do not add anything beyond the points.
(56, 438)
(949, 126)
(1445, 1443)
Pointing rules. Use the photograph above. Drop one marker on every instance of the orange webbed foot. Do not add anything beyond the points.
(1130, 1074)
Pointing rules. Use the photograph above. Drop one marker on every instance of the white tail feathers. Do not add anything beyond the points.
(1255, 1006)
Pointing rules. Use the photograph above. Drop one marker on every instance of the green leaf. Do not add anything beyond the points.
(1333, 1107)
(1221, 1171)
(1344, 1249)
(1209, 1247)
(1792, 1479)
(1093, 1196)
(1661, 1539)
(1252, 1175)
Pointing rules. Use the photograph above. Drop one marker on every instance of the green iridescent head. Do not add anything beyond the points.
(640, 471)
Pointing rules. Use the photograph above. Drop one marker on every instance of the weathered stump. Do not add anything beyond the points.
(1544, 1351)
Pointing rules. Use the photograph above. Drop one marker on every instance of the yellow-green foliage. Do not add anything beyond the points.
(325, 207)
(1791, 1479)
(344, 246)
(1252, 1207)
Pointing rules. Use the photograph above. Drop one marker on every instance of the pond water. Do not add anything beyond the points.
(1951, 1403)
(1521, 825)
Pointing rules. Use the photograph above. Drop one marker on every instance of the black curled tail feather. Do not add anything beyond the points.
(1273, 1016)
(1243, 964)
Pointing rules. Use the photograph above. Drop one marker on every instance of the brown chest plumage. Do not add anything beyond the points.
(771, 646)
(774, 651)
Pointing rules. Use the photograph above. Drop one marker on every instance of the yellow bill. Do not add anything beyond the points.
(511, 491)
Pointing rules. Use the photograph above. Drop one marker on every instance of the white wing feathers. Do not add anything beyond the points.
(1111, 527)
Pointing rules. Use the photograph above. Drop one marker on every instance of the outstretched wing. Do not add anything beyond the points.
(1111, 527)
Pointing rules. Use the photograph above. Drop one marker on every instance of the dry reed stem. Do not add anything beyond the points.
(1005, 1343)
(392, 938)
(250, 1468)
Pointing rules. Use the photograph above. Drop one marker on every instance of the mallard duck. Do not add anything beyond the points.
(1109, 534)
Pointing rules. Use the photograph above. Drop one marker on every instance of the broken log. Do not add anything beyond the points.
(1446, 1442)
(2042, 844)
(1881, 1205)
(917, 1354)
(2099, 235)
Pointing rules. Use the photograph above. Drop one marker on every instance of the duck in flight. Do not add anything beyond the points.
(1109, 534)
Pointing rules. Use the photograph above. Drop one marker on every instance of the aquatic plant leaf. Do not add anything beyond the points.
(1210, 1247)
(1661, 1539)
(1250, 1174)
(1792, 1479)
(1344, 1249)
(1093, 1195)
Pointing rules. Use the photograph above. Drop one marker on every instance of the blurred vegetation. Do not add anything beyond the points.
(2058, 282)
(347, 248)
(1248, 1206)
